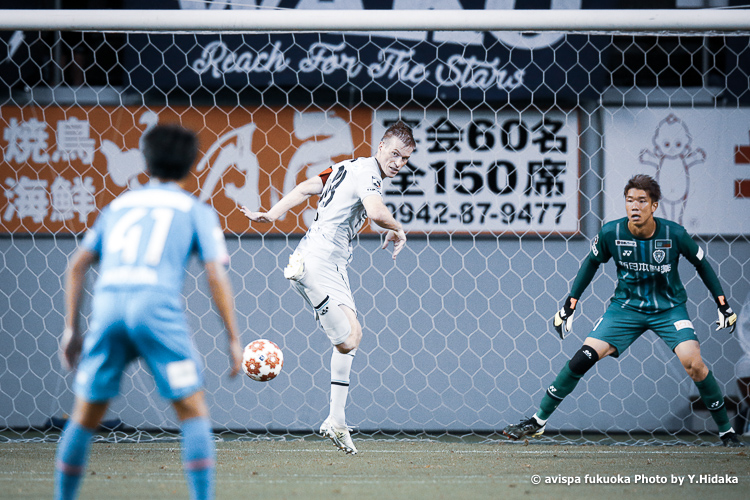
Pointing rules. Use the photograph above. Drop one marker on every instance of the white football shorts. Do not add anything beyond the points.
(329, 278)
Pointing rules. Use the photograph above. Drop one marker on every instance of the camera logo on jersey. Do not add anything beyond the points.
(659, 256)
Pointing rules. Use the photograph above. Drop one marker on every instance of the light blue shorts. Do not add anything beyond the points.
(143, 323)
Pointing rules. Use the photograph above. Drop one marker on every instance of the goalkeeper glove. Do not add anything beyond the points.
(563, 321)
(727, 317)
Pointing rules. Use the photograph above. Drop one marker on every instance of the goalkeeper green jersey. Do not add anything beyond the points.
(647, 276)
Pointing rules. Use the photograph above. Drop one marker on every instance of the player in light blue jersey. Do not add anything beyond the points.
(143, 241)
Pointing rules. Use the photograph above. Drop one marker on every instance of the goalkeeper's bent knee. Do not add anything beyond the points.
(334, 321)
(583, 360)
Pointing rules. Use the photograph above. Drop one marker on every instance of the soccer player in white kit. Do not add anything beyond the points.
(350, 192)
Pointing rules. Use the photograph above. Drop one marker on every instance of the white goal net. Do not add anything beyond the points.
(524, 143)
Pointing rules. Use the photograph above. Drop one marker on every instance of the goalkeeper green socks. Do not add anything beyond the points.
(566, 382)
(563, 385)
(712, 397)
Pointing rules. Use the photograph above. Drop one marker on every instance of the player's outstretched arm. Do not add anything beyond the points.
(563, 320)
(380, 215)
(696, 256)
(221, 291)
(304, 190)
(72, 339)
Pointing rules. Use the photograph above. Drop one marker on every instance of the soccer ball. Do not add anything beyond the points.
(262, 360)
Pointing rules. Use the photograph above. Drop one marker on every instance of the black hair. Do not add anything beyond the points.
(170, 151)
(644, 183)
(401, 131)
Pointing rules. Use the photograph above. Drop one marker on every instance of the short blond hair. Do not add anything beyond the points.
(401, 131)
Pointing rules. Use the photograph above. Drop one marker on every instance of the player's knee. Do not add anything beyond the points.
(352, 341)
(88, 415)
(344, 347)
(583, 360)
(334, 321)
(191, 407)
(696, 369)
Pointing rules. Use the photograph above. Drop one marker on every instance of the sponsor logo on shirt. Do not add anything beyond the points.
(625, 243)
(663, 244)
(645, 267)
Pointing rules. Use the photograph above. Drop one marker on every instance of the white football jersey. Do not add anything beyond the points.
(340, 209)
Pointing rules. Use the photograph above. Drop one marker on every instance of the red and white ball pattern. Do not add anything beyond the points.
(262, 360)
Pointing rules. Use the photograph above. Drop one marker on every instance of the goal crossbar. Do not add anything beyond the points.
(376, 20)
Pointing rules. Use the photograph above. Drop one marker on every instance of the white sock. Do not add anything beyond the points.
(341, 367)
(540, 421)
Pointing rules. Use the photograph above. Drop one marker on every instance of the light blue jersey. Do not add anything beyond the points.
(144, 239)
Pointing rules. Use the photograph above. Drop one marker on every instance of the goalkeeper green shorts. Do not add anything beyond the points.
(620, 327)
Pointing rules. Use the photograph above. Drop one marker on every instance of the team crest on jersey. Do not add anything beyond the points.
(659, 255)
(375, 186)
(625, 243)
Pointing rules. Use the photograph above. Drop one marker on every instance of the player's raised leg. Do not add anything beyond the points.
(73, 449)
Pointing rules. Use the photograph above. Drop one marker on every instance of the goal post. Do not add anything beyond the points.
(528, 124)
(283, 20)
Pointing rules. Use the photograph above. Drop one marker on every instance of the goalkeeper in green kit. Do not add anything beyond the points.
(649, 296)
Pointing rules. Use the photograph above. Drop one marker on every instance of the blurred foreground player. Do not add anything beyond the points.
(649, 296)
(143, 240)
